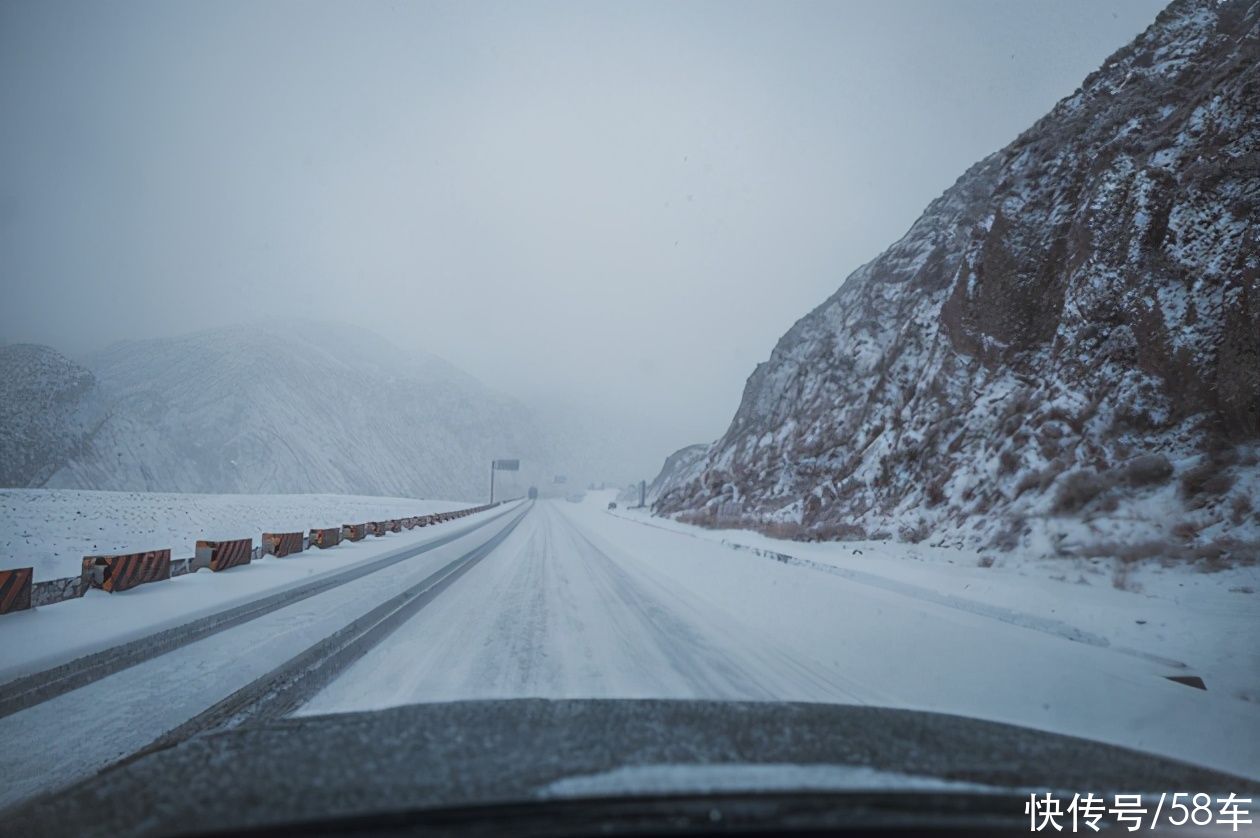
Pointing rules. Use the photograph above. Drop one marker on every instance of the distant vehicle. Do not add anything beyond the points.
(612, 504)
(533, 493)
(575, 497)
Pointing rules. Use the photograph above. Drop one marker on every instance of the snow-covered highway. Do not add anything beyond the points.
(554, 614)
(578, 603)
(561, 600)
(73, 734)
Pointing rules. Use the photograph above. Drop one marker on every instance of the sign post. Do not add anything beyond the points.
(501, 465)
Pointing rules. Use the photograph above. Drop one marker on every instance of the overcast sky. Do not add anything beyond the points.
(624, 202)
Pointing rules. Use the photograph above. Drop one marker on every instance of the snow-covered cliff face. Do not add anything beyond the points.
(302, 407)
(49, 409)
(681, 466)
(1063, 351)
(678, 468)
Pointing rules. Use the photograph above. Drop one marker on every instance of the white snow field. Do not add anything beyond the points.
(53, 529)
(576, 602)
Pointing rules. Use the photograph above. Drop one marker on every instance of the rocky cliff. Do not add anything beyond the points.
(1062, 353)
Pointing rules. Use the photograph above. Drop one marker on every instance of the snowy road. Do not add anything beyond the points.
(570, 602)
(68, 737)
(554, 615)
(577, 603)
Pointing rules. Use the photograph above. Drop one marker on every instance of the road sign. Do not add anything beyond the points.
(507, 465)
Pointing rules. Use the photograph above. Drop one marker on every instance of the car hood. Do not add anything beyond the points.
(485, 753)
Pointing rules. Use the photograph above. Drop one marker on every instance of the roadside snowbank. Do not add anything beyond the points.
(53, 529)
(1192, 621)
(41, 638)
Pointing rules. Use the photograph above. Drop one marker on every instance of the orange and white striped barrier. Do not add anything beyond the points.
(15, 589)
(221, 555)
(323, 539)
(123, 571)
(281, 544)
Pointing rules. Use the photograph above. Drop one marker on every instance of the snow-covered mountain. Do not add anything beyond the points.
(49, 408)
(303, 407)
(1062, 352)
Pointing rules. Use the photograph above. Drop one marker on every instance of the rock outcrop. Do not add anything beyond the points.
(1062, 353)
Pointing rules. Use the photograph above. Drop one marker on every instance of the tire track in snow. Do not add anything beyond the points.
(551, 614)
(1015, 617)
(28, 690)
(764, 674)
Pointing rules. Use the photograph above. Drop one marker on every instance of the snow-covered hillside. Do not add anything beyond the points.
(310, 407)
(49, 409)
(1062, 353)
(52, 530)
(677, 469)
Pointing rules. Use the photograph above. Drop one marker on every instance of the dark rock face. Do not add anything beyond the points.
(1087, 296)
(49, 408)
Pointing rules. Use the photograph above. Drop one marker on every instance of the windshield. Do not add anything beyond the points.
(781, 361)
